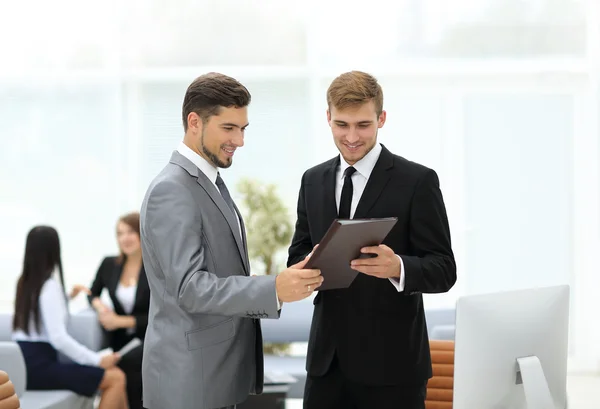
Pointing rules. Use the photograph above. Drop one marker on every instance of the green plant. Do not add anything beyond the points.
(268, 229)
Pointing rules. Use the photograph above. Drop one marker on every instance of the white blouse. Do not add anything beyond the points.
(53, 326)
(126, 296)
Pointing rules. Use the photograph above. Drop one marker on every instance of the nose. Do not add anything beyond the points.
(238, 139)
(352, 136)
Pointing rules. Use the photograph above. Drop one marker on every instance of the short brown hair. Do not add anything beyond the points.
(132, 220)
(355, 88)
(209, 92)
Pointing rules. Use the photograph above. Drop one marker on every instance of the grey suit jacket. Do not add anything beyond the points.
(203, 345)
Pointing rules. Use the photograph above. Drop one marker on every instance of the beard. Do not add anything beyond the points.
(214, 157)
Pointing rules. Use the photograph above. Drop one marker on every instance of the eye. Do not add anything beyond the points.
(342, 125)
(228, 128)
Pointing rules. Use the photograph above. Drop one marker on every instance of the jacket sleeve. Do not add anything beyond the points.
(301, 244)
(431, 268)
(174, 230)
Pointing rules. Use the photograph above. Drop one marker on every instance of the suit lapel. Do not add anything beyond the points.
(217, 199)
(114, 284)
(244, 239)
(376, 183)
(329, 205)
(115, 278)
(141, 282)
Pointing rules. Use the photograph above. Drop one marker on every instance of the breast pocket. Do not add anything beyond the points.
(210, 335)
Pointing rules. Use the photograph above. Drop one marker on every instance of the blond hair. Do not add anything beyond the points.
(353, 89)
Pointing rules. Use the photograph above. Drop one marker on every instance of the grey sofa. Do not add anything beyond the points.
(440, 323)
(84, 327)
(294, 326)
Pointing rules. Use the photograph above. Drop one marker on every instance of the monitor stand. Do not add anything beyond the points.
(531, 374)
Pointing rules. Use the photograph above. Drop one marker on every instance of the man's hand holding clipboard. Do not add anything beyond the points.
(348, 241)
(381, 263)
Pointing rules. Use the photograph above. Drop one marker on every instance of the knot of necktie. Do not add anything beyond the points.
(349, 171)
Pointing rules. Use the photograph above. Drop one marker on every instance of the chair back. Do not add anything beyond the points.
(440, 386)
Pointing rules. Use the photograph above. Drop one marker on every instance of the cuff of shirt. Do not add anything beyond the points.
(399, 283)
(97, 359)
(277, 298)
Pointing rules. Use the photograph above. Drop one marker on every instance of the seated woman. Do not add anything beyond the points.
(40, 329)
(125, 279)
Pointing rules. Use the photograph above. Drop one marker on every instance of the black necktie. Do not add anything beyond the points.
(225, 194)
(346, 199)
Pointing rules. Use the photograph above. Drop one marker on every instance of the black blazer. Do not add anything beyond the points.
(378, 333)
(108, 277)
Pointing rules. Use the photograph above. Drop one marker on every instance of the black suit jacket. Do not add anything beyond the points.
(378, 333)
(108, 277)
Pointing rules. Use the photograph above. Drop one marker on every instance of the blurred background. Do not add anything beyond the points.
(500, 97)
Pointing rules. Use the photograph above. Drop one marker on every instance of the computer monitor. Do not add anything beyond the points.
(511, 350)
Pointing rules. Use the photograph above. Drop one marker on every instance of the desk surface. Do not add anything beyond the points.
(267, 389)
(278, 378)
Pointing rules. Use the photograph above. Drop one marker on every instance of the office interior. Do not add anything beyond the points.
(500, 97)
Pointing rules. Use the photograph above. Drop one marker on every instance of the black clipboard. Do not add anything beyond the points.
(342, 243)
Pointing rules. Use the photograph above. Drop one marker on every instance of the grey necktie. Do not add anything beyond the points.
(227, 197)
(225, 194)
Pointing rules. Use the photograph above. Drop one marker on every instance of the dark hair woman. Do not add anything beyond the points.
(40, 329)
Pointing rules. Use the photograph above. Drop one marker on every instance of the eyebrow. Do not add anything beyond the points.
(360, 122)
(235, 125)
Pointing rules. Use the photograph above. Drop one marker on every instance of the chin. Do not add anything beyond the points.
(354, 156)
(224, 163)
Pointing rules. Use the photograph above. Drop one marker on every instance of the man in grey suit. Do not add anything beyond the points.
(203, 345)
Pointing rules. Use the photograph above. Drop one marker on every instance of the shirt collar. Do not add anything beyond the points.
(364, 166)
(205, 167)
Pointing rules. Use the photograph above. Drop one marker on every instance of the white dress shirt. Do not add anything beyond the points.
(211, 173)
(205, 167)
(53, 326)
(363, 167)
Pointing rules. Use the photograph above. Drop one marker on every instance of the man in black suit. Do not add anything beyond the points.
(368, 345)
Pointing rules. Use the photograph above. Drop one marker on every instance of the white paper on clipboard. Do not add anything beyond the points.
(134, 343)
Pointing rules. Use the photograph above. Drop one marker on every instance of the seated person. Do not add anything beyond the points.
(40, 329)
(8, 396)
(125, 279)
